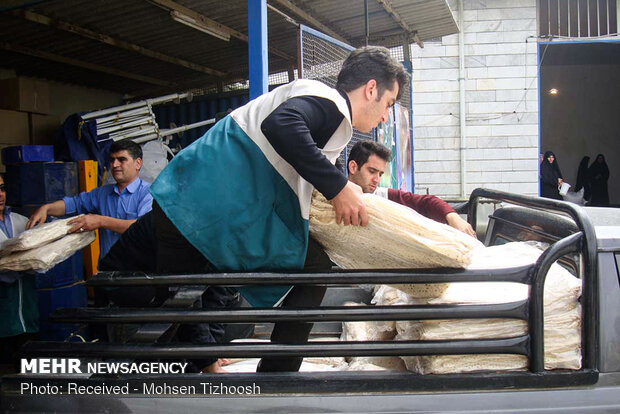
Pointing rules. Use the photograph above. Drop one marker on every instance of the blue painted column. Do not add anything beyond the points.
(257, 45)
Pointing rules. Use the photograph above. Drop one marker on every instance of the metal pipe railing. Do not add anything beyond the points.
(516, 345)
(145, 110)
(153, 101)
(166, 132)
(516, 274)
(515, 310)
(142, 121)
(536, 324)
(589, 294)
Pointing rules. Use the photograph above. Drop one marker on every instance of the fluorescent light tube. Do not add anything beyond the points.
(198, 25)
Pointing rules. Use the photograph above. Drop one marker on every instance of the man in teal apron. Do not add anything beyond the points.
(238, 198)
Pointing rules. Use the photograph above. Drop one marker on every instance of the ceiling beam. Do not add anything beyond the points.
(387, 6)
(171, 5)
(80, 63)
(389, 38)
(187, 85)
(109, 40)
(310, 19)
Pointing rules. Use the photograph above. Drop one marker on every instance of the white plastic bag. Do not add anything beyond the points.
(575, 197)
(154, 160)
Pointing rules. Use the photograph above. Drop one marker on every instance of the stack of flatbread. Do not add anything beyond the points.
(42, 247)
(396, 237)
(370, 331)
(562, 317)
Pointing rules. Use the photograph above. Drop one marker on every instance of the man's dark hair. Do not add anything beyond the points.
(372, 62)
(134, 150)
(363, 149)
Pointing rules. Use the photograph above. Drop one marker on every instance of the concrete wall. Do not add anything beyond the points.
(583, 118)
(501, 102)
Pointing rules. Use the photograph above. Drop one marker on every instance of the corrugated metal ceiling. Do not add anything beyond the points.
(62, 39)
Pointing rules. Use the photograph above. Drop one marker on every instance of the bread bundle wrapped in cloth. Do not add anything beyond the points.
(42, 247)
(396, 237)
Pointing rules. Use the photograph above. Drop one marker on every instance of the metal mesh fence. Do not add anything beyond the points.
(398, 54)
(275, 79)
(281, 78)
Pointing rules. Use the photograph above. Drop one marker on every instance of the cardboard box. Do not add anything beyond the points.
(43, 128)
(14, 128)
(22, 94)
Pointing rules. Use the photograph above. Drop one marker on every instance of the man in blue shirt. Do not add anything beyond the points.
(111, 208)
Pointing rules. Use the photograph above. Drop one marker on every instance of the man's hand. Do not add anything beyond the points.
(38, 217)
(84, 223)
(350, 208)
(454, 220)
(57, 208)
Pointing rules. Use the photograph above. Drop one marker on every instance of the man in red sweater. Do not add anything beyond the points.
(366, 165)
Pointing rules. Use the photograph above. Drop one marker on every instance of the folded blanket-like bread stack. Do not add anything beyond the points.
(396, 237)
(42, 247)
(562, 317)
(370, 331)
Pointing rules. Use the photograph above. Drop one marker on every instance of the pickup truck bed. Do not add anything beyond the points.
(594, 388)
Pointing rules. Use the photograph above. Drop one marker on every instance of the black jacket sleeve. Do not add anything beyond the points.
(297, 130)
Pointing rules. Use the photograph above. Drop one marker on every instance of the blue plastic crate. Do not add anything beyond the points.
(27, 153)
(72, 296)
(40, 183)
(63, 274)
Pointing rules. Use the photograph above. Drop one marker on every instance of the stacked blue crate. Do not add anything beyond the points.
(71, 296)
(31, 180)
(61, 287)
(38, 183)
(63, 274)
(27, 153)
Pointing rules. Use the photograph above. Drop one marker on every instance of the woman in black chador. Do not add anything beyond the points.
(599, 174)
(550, 177)
(583, 178)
